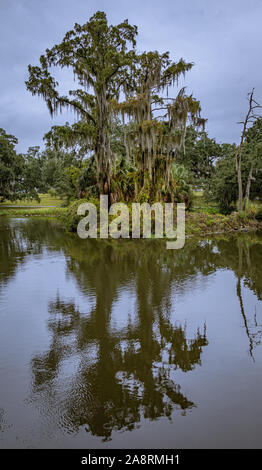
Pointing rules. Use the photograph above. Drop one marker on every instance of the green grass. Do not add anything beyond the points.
(45, 200)
(198, 193)
(28, 208)
(201, 205)
(35, 212)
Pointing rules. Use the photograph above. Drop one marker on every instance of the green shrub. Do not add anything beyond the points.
(259, 214)
(251, 210)
(71, 218)
(52, 192)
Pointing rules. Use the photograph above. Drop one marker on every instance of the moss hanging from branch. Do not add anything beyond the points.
(100, 57)
(155, 136)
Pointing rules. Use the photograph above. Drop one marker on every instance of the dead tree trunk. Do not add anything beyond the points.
(250, 117)
(239, 153)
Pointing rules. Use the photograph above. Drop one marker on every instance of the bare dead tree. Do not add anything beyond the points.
(239, 294)
(251, 116)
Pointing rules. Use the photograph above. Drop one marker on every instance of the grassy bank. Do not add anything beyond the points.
(45, 200)
(37, 212)
(202, 224)
(203, 218)
(48, 206)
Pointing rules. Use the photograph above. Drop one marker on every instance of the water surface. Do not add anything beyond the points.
(125, 344)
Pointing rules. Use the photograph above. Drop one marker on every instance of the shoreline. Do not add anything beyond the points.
(198, 224)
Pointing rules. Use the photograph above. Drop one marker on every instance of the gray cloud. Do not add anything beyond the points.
(223, 39)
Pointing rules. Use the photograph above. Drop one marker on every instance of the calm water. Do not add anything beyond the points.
(126, 344)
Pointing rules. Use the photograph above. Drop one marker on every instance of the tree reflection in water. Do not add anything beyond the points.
(128, 380)
(102, 378)
(123, 375)
(253, 329)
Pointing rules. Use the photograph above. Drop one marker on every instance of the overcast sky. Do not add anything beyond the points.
(222, 38)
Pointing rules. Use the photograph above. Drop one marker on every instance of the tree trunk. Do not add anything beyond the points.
(239, 180)
(250, 115)
(103, 150)
(249, 181)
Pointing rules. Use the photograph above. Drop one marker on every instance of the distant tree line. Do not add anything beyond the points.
(67, 171)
